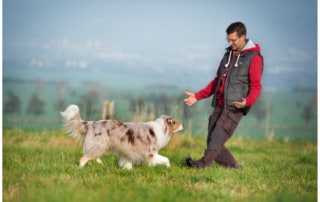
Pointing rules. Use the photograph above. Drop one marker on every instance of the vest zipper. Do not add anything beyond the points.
(227, 82)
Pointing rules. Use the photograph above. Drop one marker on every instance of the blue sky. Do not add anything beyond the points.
(184, 35)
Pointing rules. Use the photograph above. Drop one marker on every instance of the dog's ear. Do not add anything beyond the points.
(171, 121)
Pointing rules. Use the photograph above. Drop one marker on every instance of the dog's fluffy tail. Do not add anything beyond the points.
(72, 121)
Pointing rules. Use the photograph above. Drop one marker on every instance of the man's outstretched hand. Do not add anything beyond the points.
(191, 99)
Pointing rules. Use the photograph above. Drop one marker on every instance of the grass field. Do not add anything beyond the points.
(43, 166)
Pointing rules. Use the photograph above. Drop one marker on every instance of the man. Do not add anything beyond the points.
(235, 88)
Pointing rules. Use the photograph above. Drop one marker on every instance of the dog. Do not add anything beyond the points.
(134, 142)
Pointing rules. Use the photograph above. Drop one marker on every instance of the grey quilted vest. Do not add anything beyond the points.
(237, 81)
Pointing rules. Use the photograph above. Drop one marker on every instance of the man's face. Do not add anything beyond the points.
(235, 42)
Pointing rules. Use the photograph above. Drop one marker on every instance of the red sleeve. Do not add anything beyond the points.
(208, 90)
(255, 73)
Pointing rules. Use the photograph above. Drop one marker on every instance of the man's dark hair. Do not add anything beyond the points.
(238, 27)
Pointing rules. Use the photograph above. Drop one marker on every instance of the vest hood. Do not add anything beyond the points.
(250, 46)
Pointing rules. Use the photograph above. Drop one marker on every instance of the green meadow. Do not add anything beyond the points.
(42, 165)
(276, 144)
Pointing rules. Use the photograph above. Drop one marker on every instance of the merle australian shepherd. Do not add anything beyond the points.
(134, 142)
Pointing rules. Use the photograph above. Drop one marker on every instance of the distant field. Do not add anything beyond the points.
(285, 122)
(43, 166)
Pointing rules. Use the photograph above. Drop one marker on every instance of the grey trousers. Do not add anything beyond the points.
(222, 124)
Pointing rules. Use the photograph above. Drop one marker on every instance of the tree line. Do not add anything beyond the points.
(141, 107)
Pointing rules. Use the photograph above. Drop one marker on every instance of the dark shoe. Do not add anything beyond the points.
(190, 163)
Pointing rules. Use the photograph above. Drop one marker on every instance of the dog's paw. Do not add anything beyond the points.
(167, 162)
(160, 160)
(99, 161)
(125, 164)
(83, 161)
